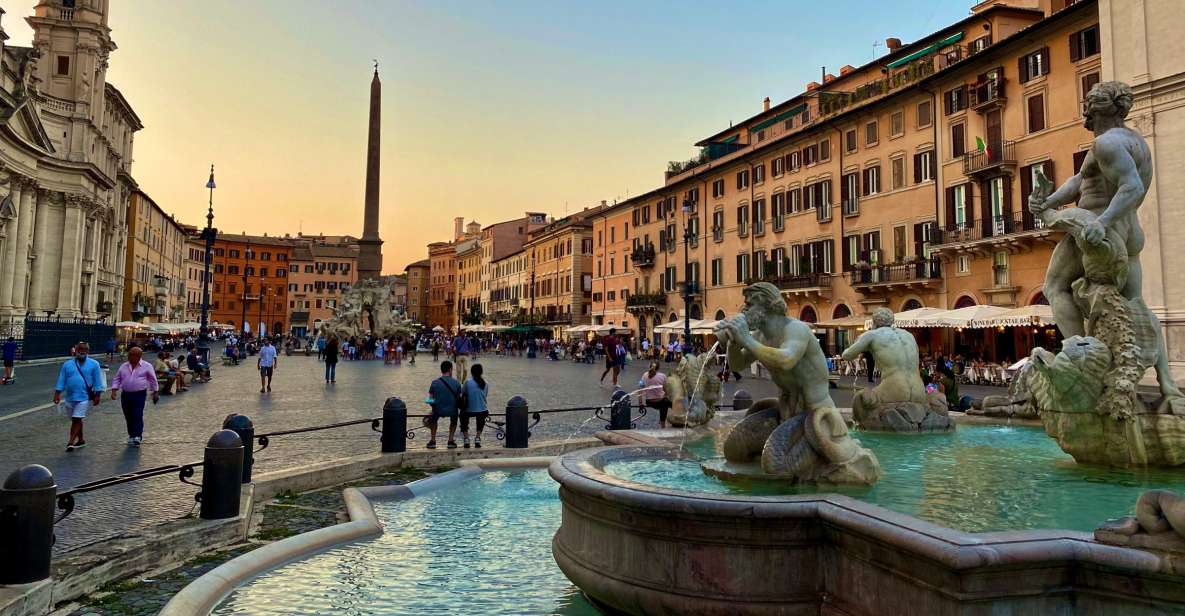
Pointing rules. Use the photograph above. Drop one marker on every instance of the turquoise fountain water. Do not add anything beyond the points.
(979, 478)
(482, 547)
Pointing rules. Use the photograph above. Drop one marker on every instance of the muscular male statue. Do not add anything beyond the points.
(899, 403)
(1111, 184)
(800, 434)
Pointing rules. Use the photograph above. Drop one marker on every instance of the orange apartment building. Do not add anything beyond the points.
(560, 257)
(469, 259)
(249, 282)
(418, 276)
(869, 189)
(442, 285)
(498, 241)
(318, 276)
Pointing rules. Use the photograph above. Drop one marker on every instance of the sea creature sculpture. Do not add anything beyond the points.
(693, 390)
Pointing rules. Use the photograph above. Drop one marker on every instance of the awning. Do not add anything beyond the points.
(964, 317)
(438, 329)
(850, 322)
(1037, 314)
(950, 40)
(910, 318)
(131, 325)
(579, 329)
(604, 329)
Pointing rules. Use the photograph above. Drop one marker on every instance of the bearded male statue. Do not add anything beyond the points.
(799, 435)
(900, 402)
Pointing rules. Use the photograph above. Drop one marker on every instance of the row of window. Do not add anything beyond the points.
(235, 253)
(332, 267)
(233, 270)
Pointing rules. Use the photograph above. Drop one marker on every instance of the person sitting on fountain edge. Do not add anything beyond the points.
(654, 395)
(444, 395)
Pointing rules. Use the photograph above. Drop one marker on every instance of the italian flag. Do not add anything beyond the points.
(982, 147)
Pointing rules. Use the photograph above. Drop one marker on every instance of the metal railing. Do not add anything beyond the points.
(643, 256)
(997, 226)
(987, 92)
(851, 206)
(800, 281)
(906, 272)
(638, 300)
(995, 154)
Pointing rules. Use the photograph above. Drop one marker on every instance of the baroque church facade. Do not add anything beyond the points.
(65, 168)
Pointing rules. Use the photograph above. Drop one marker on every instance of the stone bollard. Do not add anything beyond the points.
(394, 438)
(222, 474)
(619, 410)
(26, 524)
(741, 400)
(242, 425)
(516, 423)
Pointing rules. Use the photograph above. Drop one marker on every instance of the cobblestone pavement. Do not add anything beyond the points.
(177, 428)
(287, 515)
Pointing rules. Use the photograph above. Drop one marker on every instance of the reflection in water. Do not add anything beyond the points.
(979, 478)
(483, 547)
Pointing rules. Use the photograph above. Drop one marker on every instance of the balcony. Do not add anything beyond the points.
(924, 273)
(851, 206)
(1015, 233)
(992, 160)
(987, 95)
(804, 285)
(645, 302)
(692, 289)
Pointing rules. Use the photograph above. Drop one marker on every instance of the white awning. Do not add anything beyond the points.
(910, 318)
(850, 322)
(1037, 314)
(964, 317)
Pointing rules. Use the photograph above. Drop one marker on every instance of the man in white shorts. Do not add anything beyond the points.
(81, 383)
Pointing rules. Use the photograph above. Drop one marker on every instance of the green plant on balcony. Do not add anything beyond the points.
(676, 167)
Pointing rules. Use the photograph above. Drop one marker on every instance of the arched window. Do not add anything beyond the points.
(964, 302)
(911, 304)
(841, 311)
(697, 312)
(673, 317)
(720, 316)
(1039, 299)
(808, 315)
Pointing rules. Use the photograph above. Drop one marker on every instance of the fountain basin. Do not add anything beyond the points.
(642, 549)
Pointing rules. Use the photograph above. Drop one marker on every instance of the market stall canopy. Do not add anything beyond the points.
(910, 318)
(964, 317)
(1037, 314)
(851, 322)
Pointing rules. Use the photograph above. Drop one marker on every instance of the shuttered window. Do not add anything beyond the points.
(958, 140)
(1033, 65)
(1084, 43)
(1036, 108)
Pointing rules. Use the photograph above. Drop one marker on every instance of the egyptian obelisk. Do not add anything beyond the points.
(370, 247)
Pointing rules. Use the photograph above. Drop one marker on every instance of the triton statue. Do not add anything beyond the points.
(799, 435)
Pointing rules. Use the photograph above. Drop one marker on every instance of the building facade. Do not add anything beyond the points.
(620, 296)
(560, 272)
(65, 168)
(497, 242)
(509, 285)
(442, 285)
(871, 188)
(249, 282)
(468, 260)
(195, 268)
(155, 270)
(1142, 46)
(318, 275)
(418, 275)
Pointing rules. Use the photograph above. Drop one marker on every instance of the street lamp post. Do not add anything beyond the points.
(208, 234)
(261, 325)
(687, 237)
(532, 287)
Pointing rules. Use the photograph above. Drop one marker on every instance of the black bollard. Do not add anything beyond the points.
(242, 425)
(516, 423)
(741, 400)
(619, 410)
(222, 475)
(26, 524)
(394, 438)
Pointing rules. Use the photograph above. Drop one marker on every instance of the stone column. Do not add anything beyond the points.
(8, 259)
(72, 244)
(36, 300)
(20, 300)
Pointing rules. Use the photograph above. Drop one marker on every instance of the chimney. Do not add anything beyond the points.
(893, 43)
(813, 85)
(847, 68)
(603, 203)
(765, 104)
(828, 78)
(458, 227)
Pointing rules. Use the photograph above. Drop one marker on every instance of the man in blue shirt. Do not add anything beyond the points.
(267, 365)
(81, 384)
(444, 395)
(9, 354)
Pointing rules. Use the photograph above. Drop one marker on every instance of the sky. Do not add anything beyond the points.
(489, 109)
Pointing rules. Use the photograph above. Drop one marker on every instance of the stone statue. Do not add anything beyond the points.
(799, 435)
(1094, 285)
(693, 390)
(1159, 525)
(366, 309)
(900, 402)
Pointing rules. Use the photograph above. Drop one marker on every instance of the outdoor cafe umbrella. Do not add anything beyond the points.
(438, 329)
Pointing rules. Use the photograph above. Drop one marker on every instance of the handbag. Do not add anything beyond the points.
(460, 396)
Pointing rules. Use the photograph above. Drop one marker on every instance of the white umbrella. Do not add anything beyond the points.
(438, 329)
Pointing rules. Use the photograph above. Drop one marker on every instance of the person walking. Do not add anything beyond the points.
(331, 351)
(614, 355)
(112, 345)
(9, 355)
(476, 391)
(266, 364)
(133, 383)
(654, 394)
(444, 395)
(320, 344)
(81, 384)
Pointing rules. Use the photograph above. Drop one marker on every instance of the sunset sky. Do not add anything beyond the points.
(489, 109)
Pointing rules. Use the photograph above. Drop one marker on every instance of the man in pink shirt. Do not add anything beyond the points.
(135, 379)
